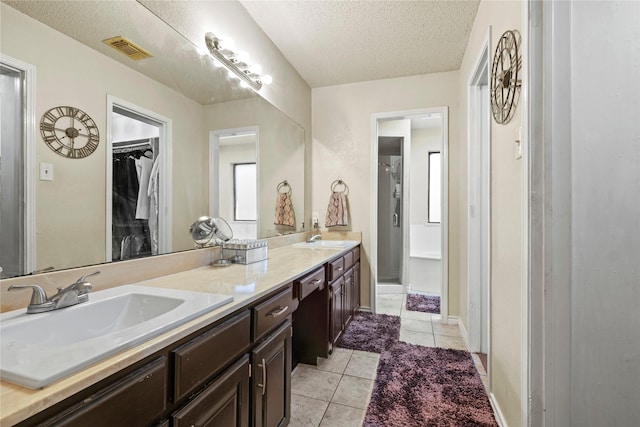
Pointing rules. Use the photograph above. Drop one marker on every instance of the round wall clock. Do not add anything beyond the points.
(70, 132)
(505, 85)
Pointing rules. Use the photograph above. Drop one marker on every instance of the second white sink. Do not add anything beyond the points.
(326, 244)
(38, 349)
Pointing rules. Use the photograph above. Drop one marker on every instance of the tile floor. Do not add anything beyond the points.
(337, 391)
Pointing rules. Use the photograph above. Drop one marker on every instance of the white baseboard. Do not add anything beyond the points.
(365, 309)
(455, 320)
(496, 411)
(384, 288)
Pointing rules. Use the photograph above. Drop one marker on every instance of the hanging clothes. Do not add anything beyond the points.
(152, 193)
(130, 236)
(143, 169)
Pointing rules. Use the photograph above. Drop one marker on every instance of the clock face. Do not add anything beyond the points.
(505, 85)
(70, 132)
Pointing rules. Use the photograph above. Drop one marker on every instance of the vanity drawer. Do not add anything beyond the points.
(137, 399)
(336, 268)
(348, 260)
(198, 360)
(356, 254)
(272, 312)
(309, 283)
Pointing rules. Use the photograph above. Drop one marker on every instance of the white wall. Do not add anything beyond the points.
(605, 213)
(506, 220)
(342, 144)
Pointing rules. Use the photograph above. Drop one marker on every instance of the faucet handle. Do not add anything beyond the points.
(39, 296)
(83, 278)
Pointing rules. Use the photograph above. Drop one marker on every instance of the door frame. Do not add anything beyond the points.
(444, 225)
(214, 156)
(165, 167)
(29, 160)
(483, 157)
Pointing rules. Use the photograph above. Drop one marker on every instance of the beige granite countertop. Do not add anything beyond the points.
(247, 283)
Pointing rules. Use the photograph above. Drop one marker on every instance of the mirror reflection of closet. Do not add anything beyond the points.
(135, 185)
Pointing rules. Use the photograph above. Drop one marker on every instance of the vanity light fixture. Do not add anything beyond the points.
(236, 63)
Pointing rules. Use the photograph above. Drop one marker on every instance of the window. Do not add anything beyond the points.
(245, 192)
(433, 198)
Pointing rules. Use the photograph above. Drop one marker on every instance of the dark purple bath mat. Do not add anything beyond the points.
(425, 386)
(371, 332)
(424, 303)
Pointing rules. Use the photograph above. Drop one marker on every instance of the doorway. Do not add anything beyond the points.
(400, 209)
(17, 168)
(390, 214)
(478, 194)
(138, 182)
(233, 179)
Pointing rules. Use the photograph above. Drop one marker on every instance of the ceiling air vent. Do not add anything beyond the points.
(128, 48)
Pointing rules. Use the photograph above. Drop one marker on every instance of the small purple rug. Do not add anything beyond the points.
(425, 386)
(424, 303)
(371, 332)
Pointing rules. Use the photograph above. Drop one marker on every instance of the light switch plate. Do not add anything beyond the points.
(46, 172)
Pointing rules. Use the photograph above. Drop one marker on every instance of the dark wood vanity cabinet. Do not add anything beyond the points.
(128, 401)
(344, 274)
(224, 403)
(234, 372)
(271, 361)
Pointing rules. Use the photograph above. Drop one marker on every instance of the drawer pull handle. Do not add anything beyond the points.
(263, 386)
(315, 282)
(278, 311)
(340, 268)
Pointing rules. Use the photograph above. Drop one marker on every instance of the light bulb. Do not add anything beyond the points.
(267, 79)
(243, 57)
(217, 63)
(233, 75)
(243, 84)
(201, 51)
(256, 69)
(227, 43)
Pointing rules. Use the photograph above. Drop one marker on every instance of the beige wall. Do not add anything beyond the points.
(342, 145)
(281, 151)
(506, 219)
(71, 209)
(69, 73)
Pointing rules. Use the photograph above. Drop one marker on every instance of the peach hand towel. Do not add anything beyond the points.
(284, 211)
(337, 212)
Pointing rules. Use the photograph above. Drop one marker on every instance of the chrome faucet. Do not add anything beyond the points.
(75, 293)
(314, 237)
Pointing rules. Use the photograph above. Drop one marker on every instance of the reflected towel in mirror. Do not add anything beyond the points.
(284, 211)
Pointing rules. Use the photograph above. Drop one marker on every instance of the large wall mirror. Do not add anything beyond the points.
(62, 41)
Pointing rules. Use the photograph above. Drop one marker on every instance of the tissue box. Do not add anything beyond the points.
(245, 251)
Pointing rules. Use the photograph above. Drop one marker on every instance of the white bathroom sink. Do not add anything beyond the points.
(326, 244)
(38, 349)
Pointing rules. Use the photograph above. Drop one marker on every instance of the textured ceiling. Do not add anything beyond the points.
(328, 42)
(176, 61)
(336, 42)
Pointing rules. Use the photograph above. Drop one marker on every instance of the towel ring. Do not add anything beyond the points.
(284, 185)
(338, 182)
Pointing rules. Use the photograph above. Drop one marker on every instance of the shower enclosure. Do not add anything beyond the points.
(390, 201)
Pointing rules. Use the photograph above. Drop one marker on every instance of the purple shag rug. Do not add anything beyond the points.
(425, 386)
(424, 303)
(371, 332)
